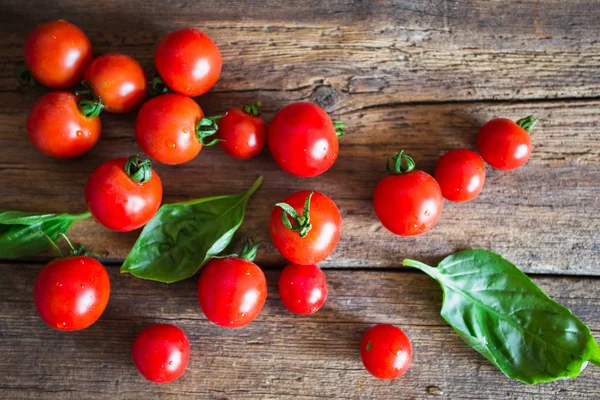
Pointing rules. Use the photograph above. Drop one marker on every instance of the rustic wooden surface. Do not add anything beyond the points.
(416, 75)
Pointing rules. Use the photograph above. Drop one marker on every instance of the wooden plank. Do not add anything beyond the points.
(279, 355)
(382, 50)
(542, 217)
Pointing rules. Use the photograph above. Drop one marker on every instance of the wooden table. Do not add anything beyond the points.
(416, 75)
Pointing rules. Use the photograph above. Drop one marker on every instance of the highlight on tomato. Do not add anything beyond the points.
(460, 174)
(302, 288)
(304, 140)
(242, 132)
(124, 194)
(505, 144)
(188, 61)
(58, 127)
(306, 227)
(56, 54)
(386, 351)
(408, 202)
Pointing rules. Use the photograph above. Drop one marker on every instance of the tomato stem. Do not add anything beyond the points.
(83, 92)
(302, 222)
(207, 127)
(138, 169)
(527, 123)
(25, 78)
(53, 244)
(253, 109)
(158, 86)
(393, 163)
(79, 251)
(91, 108)
(339, 128)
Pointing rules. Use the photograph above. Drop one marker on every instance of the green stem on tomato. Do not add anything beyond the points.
(339, 128)
(253, 109)
(394, 166)
(25, 78)
(206, 128)
(301, 223)
(158, 86)
(138, 169)
(91, 108)
(527, 123)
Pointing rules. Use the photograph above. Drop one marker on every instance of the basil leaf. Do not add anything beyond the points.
(502, 314)
(182, 237)
(22, 234)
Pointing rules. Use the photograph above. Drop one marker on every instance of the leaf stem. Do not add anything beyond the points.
(428, 269)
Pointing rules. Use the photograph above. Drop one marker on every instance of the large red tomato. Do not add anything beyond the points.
(386, 351)
(505, 144)
(302, 288)
(460, 174)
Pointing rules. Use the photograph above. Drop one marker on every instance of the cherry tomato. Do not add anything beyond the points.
(314, 229)
(57, 128)
(56, 54)
(303, 140)
(386, 351)
(118, 80)
(123, 194)
(71, 293)
(505, 144)
(232, 290)
(243, 132)
(161, 353)
(460, 174)
(408, 202)
(302, 288)
(188, 61)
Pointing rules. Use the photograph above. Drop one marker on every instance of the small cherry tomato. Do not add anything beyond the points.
(57, 127)
(188, 61)
(460, 174)
(124, 194)
(161, 353)
(56, 54)
(302, 288)
(303, 140)
(386, 351)
(232, 290)
(117, 79)
(314, 231)
(505, 144)
(71, 293)
(242, 131)
(171, 128)
(408, 202)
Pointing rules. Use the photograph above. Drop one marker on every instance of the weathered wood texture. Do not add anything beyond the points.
(279, 355)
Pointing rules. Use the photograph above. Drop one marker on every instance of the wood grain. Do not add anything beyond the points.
(279, 355)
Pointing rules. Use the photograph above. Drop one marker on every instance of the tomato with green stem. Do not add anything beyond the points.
(460, 174)
(171, 128)
(161, 353)
(408, 202)
(232, 290)
(303, 140)
(124, 194)
(314, 229)
(56, 54)
(386, 351)
(58, 127)
(302, 288)
(242, 131)
(505, 144)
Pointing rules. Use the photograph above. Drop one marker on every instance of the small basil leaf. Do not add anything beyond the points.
(502, 314)
(22, 234)
(182, 237)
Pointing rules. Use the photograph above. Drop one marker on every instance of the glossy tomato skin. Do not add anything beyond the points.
(503, 144)
(243, 135)
(71, 293)
(119, 80)
(320, 241)
(56, 54)
(408, 204)
(161, 353)
(166, 128)
(57, 128)
(302, 288)
(231, 291)
(188, 61)
(460, 174)
(386, 351)
(302, 140)
(118, 202)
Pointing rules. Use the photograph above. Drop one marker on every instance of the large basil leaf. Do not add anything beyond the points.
(182, 237)
(22, 234)
(502, 314)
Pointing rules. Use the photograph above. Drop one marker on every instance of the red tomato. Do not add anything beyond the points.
(243, 132)
(161, 353)
(123, 194)
(460, 174)
(505, 144)
(118, 80)
(71, 293)
(303, 140)
(57, 128)
(302, 288)
(311, 238)
(408, 202)
(56, 54)
(188, 61)
(386, 351)
(231, 291)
